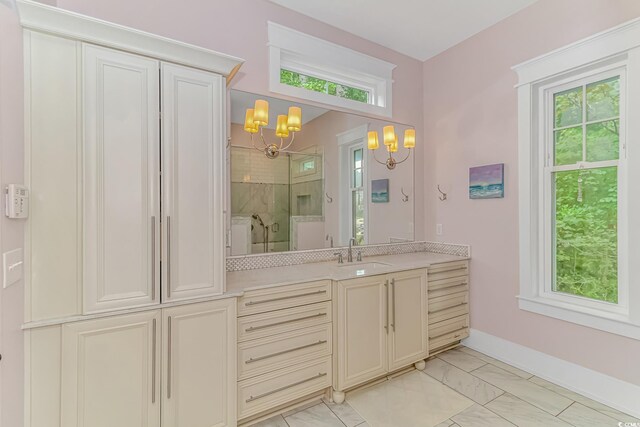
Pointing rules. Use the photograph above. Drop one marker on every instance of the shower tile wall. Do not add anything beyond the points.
(261, 186)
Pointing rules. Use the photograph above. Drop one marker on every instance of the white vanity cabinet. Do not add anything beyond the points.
(125, 163)
(199, 364)
(121, 179)
(381, 326)
(448, 302)
(110, 374)
(174, 367)
(193, 156)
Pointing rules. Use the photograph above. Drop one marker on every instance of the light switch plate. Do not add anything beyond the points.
(12, 267)
(439, 229)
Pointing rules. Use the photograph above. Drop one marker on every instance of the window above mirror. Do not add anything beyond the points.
(310, 68)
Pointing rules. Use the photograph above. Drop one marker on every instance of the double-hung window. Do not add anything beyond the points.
(584, 205)
(579, 172)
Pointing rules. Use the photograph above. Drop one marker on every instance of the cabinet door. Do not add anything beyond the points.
(193, 163)
(199, 385)
(408, 322)
(362, 330)
(110, 374)
(121, 176)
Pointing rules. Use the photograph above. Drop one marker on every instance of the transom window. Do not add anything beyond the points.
(316, 70)
(583, 153)
(321, 85)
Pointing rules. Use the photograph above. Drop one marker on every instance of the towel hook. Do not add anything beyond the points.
(329, 198)
(405, 197)
(443, 196)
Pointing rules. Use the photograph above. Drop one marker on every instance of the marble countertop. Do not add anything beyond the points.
(240, 281)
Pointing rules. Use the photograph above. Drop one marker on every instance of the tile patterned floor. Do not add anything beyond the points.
(458, 388)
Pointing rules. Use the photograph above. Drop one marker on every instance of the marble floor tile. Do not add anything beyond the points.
(301, 408)
(462, 360)
(580, 415)
(276, 421)
(316, 416)
(532, 393)
(349, 416)
(464, 383)
(479, 416)
(413, 399)
(496, 362)
(523, 414)
(446, 423)
(600, 407)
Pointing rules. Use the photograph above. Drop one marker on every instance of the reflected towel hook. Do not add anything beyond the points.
(405, 196)
(329, 198)
(443, 196)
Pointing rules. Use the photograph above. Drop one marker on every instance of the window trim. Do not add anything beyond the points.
(617, 48)
(306, 54)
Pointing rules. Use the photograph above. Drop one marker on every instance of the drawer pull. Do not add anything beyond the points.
(260, 396)
(284, 322)
(447, 271)
(453, 306)
(248, 303)
(268, 356)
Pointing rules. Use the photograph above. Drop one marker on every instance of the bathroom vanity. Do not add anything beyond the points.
(326, 328)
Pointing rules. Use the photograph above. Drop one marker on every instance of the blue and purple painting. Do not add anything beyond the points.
(486, 182)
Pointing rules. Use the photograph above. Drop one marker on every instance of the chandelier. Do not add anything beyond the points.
(257, 118)
(390, 140)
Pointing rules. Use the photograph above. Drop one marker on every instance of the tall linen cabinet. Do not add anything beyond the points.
(125, 159)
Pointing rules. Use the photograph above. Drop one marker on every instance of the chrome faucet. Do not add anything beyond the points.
(352, 241)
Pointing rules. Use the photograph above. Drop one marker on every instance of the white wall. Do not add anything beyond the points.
(11, 231)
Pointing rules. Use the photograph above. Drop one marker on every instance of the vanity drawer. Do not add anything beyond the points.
(439, 329)
(448, 301)
(277, 298)
(438, 285)
(279, 351)
(449, 313)
(448, 270)
(267, 391)
(280, 321)
(448, 291)
(447, 339)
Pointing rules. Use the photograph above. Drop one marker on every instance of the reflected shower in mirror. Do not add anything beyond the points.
(323, 190)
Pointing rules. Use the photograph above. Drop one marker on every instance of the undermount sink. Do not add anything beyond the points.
(362, 268)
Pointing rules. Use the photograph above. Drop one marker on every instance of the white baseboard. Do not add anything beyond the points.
(602, 388)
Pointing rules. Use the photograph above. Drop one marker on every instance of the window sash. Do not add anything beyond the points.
(547, 229)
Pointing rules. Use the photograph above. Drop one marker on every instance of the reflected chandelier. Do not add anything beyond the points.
(258, 117)
(390, 140)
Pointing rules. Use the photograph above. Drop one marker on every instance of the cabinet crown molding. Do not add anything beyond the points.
(53, 20)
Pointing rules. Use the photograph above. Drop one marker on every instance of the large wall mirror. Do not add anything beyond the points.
(323, 190)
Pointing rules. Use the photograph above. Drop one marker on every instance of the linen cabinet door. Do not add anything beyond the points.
(193, 164)
(408, 323)
(362, 330)
(121, 180)
(110, 372)
(199, 365)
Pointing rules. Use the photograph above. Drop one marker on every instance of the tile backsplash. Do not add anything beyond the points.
(281, 259)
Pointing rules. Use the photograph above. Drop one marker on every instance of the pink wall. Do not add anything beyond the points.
(239, 27)
(470, 117)
(11, 231)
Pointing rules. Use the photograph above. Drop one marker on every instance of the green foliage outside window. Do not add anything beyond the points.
(315, 84)
(586, 200)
